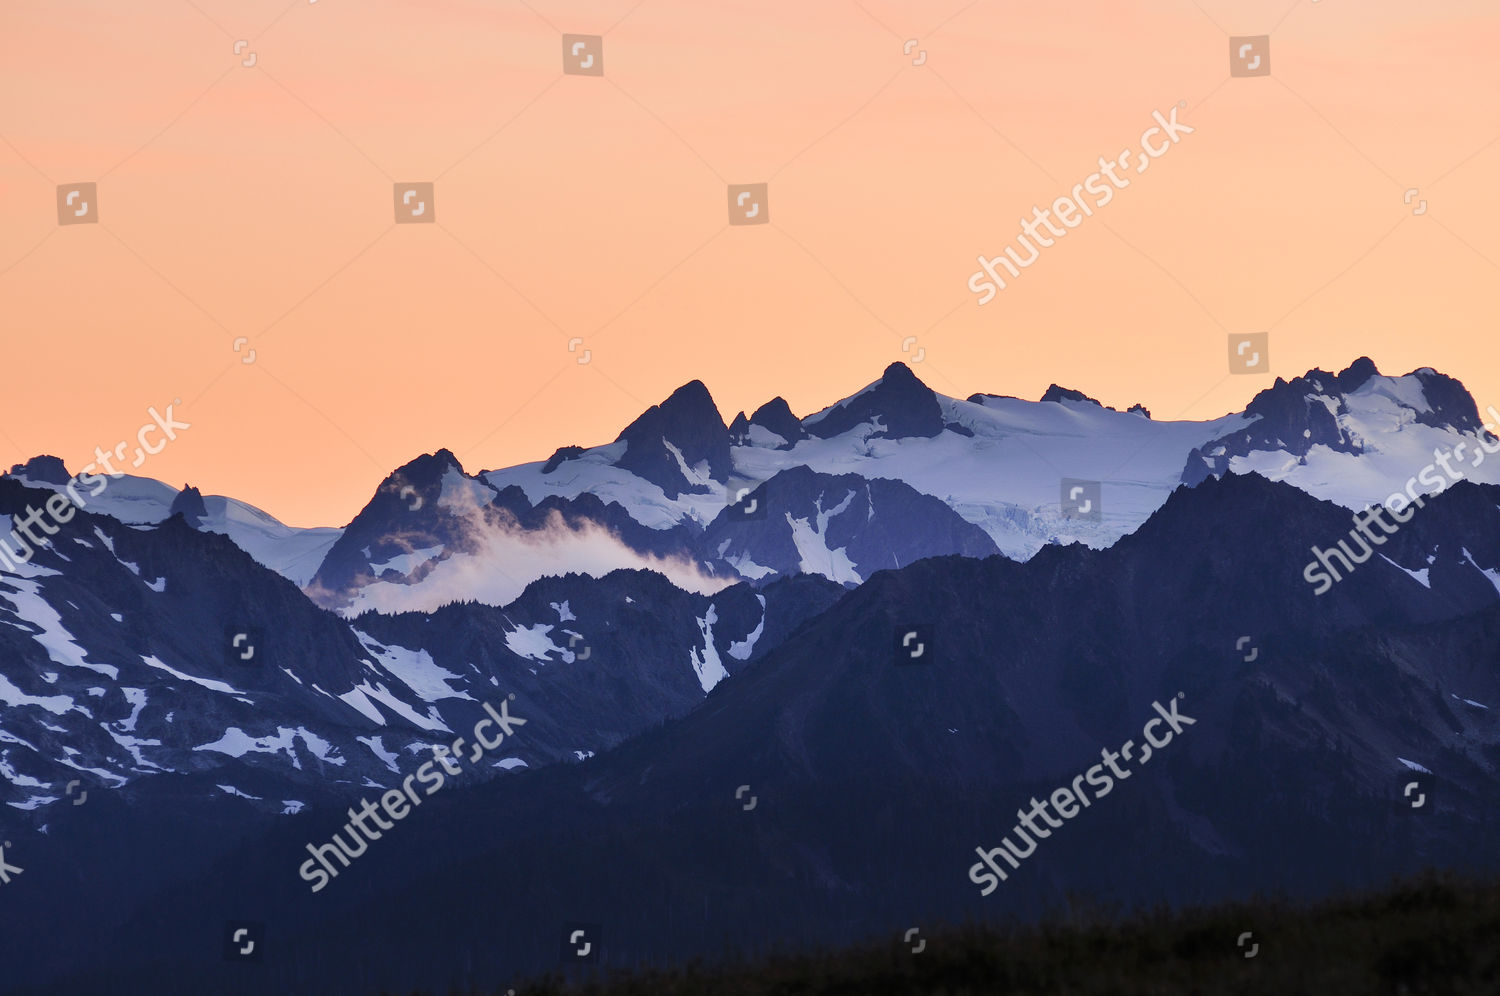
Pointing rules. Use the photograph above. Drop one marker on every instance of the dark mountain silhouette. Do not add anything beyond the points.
(689, 421)
(903, 405)
(874, 779)
(872, 524)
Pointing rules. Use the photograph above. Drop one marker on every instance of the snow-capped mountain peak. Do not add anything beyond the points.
(775, 417)
(663, 495)
(1353, 437)
(898, 403)
(291, 551)
(679, 445)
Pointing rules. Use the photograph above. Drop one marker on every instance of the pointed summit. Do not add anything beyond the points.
(426, 470)
(423, 480)
(738, 429)
(189, 504)
(776, 416)
(1357, 373)
(689, 423)
(898, 402)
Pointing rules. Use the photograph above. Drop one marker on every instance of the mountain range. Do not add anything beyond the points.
(709, 630)
(684, 494)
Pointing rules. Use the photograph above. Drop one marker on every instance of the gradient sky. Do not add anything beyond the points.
(257, 202)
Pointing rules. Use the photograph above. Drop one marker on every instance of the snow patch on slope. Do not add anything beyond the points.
(741, 649)
(416, 669)
(405, 563)
(377, 747)
(1381, 418)
(813, 549)
(26, 598)
(707, 666)
(1493, 574)
(13, 697)
(208, 683)
(533, 643)
(1420, 576)
(462, 493)
(363, 697)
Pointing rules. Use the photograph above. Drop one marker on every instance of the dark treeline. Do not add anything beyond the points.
(1431, 934)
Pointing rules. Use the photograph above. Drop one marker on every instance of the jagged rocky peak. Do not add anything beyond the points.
(1336, 411)
(1435, 399)
(739, 428)
(420, 481)
(43, 468)
(686, 429)
(1317, 381)
(427, 469)
(560, 456)
(1058, 393)
(898, 402)
(776, 416)
(189, 505)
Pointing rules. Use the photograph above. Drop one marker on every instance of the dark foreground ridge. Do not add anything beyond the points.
(1428, 934)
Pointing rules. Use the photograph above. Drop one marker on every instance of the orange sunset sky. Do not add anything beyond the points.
(256, 202)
